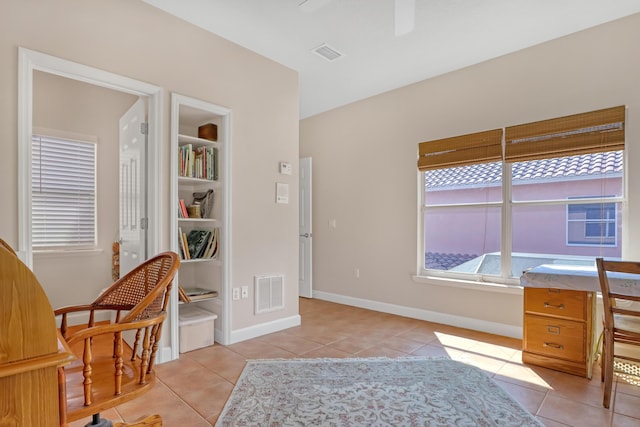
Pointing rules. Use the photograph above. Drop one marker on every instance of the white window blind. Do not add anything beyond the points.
(63, 193)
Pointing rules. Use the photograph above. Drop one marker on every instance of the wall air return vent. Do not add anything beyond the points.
(269, 293)
(327, 52)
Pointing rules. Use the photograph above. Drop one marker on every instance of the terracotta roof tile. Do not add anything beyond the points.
(488, 173)
(442, 261)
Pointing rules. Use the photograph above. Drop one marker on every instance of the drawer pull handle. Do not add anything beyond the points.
(552, 345)
(559, 307)
(553, 291)
(555, 330)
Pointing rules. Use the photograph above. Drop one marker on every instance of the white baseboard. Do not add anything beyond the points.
(430, 316)
(163, 355)
(264, 329)
(83, 318)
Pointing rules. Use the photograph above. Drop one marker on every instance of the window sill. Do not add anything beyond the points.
(67, 253)
(468, 284)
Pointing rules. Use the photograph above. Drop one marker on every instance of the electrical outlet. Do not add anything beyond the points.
(245, 292)
(236, 293)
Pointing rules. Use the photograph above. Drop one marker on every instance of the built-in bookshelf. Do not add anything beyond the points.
(198, 218)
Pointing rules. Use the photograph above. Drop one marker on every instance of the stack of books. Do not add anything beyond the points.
(198, 244)
(188, 295)
(198, 162)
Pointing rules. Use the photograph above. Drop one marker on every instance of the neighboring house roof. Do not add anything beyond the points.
(442, 261)
(585, 165)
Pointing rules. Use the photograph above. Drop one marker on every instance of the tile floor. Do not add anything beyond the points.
(193, 390)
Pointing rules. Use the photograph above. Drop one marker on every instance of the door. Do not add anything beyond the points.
(305, 288)
(133, 209)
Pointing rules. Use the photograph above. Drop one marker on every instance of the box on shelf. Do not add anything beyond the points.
(208, 131)
(196, 328)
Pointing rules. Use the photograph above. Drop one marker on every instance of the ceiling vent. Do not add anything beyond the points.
(327, 52)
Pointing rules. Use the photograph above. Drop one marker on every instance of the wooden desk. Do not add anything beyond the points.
(559, 317)
(558, 329)
(578, 278)
(30, 351)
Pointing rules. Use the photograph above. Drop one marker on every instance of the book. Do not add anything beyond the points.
(188, 295)
(182, 210)
(211, 294)
(212, 246)
(184, 252)
(196, 242)
(185, 247)
(214, 162)
(196, 293)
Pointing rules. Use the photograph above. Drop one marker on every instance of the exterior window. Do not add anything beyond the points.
(591, 224)
(462, 216)
(552, 216)
(500, 201)
(63, 194)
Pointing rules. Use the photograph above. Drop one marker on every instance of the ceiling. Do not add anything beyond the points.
(447, 35)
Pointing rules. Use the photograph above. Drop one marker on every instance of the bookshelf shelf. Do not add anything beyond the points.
(198, 166)
(210, 221)
(199, 181)
(198, 142)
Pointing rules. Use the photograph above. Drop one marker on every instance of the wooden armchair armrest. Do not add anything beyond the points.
(95, 331)
(63, 311)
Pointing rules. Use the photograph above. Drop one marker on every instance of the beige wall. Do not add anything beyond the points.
(365, 154)
(136, 40)
(69, 106)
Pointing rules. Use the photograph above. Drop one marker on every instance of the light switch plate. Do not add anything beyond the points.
(282, 193)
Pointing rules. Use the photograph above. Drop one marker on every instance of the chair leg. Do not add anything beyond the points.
(608, 367)
(96, 421)
(603, 359)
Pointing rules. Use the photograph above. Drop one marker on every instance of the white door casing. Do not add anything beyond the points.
(305, 286)
(132, 209)
(30, 61)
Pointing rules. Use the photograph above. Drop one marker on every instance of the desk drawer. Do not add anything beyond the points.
(568, 304)
(559, 338)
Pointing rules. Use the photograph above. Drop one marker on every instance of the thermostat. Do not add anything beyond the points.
(285, 168)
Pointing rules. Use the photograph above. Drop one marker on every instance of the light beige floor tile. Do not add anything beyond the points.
(529, 398)
(574, 413)
(193, 390)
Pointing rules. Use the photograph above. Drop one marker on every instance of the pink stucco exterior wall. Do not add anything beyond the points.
(536, 229)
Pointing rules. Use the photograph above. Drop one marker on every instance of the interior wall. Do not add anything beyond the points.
(69, 106)
(365, 174)
(136, 40)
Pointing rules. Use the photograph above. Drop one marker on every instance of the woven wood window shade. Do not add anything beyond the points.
(481, 147)
(592, 132)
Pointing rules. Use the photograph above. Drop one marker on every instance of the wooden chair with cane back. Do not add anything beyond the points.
(99, 380)
(621, 321)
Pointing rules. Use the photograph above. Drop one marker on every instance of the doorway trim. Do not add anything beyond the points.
(28, 61)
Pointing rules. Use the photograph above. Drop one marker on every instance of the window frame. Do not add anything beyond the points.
(593, 202)
(507, 205)
(590, 132)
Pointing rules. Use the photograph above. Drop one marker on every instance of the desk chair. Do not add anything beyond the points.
(621, 321)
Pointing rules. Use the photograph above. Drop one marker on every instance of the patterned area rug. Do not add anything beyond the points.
(369, 392)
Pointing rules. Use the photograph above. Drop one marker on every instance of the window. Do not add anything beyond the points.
(591, 224)
(553, 193)
(63, 194)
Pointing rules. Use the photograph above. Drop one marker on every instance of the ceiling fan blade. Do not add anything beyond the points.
(312, 5)
(404, 14)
